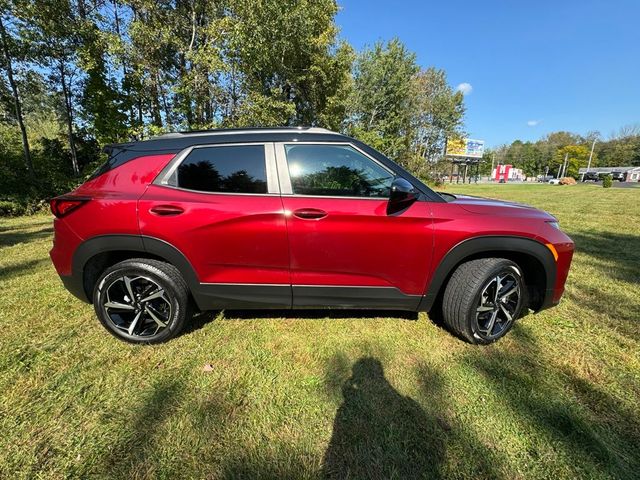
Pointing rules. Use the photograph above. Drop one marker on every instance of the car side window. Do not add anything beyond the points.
(231, 169)
(335, 170)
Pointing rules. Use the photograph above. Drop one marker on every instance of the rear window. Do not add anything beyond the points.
(115, 160)
(226, 169)
(118, 155)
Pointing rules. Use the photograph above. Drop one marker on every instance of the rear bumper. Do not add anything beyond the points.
(75, 285)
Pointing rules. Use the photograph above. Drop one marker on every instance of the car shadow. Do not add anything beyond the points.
(201, 319)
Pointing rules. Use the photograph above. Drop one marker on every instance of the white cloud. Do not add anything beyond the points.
(465, 88)
(533, 123)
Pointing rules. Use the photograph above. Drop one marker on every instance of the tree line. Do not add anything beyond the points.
(546, 155)
(78, 74)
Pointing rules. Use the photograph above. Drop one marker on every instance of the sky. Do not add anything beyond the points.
(527, 68)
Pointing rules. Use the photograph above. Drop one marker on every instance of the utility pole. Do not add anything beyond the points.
(563, 167)
(593, 145)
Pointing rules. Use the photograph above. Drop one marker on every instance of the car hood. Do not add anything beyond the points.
(490, 206)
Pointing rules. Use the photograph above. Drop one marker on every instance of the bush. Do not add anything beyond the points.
(607, 181)
(567, 181)
(11, 208)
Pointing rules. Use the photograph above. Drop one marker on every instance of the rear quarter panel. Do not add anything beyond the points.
(111, 210)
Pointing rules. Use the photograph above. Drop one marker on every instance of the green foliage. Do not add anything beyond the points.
(623, 149)
(11, 208)
(578, 155)
(297, 394)
(607, 181)
(402, 111)
(110, 72)
(381, 104)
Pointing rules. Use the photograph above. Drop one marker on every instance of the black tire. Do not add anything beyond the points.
(470, 302)
(162, 283)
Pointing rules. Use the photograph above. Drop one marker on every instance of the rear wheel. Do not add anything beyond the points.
(142, 301)
(483, 299)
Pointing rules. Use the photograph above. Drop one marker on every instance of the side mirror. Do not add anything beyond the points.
(402, 196)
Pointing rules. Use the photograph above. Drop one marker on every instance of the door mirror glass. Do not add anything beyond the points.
(402, 196)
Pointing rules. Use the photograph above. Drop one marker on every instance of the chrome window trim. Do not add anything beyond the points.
(285, 179)
(273, 187)
(173, 187)
(300, 195)
(273, 183)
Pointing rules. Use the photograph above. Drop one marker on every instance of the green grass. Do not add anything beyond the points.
(305, 397)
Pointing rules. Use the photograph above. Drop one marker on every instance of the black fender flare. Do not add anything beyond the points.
(493, 243)
(132, 243)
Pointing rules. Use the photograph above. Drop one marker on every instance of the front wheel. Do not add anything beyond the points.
(483, 299)
(142, 301)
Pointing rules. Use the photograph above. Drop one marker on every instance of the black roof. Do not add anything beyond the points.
(120, 153)
(177, 141)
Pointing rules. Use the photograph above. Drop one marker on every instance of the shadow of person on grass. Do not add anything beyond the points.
(379, 433)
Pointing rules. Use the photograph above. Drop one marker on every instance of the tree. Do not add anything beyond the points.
(101, 102)
(381, 107)
(285, 58)
(438, 114)
(8, 66)
(578, 156)
(51, 29)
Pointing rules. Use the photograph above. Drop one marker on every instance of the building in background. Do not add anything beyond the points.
(506, 173)
(631, 174)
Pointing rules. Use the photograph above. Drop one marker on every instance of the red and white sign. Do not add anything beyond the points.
(502, 172)
(506, 173)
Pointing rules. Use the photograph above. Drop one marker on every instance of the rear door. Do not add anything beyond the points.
(345, 250)
(220, 206)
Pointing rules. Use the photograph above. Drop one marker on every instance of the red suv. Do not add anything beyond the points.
(294, 218)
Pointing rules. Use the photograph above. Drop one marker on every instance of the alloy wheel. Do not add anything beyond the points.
(498, 305)
(137, 305)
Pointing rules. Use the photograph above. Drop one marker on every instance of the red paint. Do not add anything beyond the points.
(227, 238)
(357, 243)
(273, 239)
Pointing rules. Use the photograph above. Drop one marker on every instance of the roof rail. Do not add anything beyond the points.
(227, 131)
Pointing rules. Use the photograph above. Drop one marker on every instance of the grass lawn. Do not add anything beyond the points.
(304, 395)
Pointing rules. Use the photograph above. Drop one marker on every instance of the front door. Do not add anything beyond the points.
(344, 248)
(220, 207)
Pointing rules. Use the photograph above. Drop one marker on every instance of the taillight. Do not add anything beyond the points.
(64, 205)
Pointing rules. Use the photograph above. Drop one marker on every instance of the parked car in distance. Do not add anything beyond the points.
(554, 181)
(618, 176)
(294, 218)
(591, 177)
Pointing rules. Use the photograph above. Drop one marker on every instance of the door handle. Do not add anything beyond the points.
(166, 210)
(310, 213)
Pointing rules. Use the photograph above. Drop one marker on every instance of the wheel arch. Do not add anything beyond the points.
(93, 256)
(534, 258)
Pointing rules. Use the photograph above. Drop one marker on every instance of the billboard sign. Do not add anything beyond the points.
(465, 147)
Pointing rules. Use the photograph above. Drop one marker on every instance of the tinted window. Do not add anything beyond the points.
(235, 169)
(335, 170)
